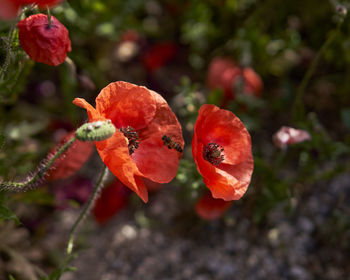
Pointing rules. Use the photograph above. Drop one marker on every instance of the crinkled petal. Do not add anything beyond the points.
(155, 160)
(225, 129)
(114, 153)
(126, 105)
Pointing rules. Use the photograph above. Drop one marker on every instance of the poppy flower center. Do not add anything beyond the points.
(213, 153)
(171, 143)
(133, 138)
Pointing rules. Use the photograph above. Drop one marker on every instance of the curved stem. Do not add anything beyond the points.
(32, 180)
(298, 109)
(86, 209)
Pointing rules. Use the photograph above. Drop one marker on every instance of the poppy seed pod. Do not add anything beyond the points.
(44, 43)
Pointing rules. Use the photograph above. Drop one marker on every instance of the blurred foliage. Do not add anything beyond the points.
(278, 39)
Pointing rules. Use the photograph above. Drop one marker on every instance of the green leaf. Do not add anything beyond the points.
(11, 277)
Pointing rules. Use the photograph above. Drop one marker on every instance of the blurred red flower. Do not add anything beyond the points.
(224, 74)
(209, 208)
(288, 135)
(158, 55)
(138, 148)
(113, 198)
(221, 148)
(71, 160)
(9, 8)
(44, 43)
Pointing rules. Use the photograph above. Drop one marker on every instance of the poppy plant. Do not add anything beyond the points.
(148, 141)
(221, 148)
(44, 42)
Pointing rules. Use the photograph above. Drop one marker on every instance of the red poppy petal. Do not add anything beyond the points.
(209, 208)
(72, 160)
(164, 122)
(112, 199)
(126, 105)
(92, 113)
(225, 129)
(155, 161)
(114, 153)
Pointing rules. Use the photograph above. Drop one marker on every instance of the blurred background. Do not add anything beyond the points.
(272, 63)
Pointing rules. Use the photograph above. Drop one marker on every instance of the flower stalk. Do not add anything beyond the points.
(86, 210)
(33, 180)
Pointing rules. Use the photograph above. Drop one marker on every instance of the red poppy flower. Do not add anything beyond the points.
(44, 43)
(209, 208)
(112, 199)
(41, 3)
(289, 135)
(9, 8)
(221, 148)
(157, 55)
(71, 160)
(224, 74)
(148, 141)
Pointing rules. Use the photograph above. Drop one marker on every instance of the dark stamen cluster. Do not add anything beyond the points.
(171, 144)
(132, 136)
(213, 153)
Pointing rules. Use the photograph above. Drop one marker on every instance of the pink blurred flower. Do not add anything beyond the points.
(288, 135)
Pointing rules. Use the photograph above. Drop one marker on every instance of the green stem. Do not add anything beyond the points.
(86, 209)
(8, 52)
(32, 180)
(49, 16)
(298, 110)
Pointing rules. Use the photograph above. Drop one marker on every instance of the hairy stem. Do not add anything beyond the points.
(86, 209)
(32, 180)
(9, 42)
